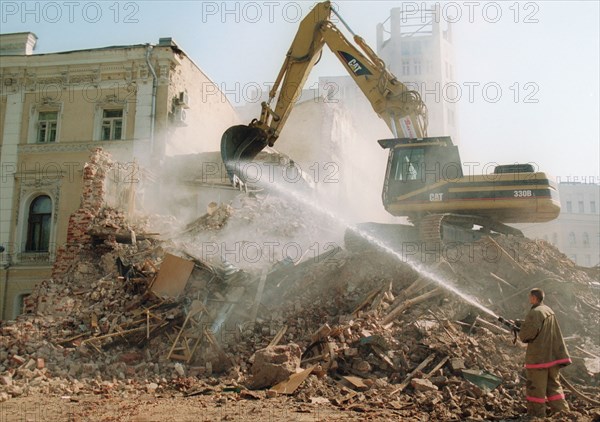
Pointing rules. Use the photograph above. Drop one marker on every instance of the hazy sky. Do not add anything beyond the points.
(544, 57)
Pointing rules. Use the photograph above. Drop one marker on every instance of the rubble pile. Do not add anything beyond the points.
(423, 352)
(126, 314)
(258, 231)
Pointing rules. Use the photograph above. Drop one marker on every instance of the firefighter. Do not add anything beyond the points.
(546, 354)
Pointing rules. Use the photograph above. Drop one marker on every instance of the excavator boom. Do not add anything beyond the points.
(402, 109)
(424, 179)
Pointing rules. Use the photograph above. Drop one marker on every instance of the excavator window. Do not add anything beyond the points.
(408, 163)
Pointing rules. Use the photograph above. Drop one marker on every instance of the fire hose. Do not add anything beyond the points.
(515, 327)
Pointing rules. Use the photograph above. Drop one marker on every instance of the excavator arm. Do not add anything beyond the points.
(402, 109)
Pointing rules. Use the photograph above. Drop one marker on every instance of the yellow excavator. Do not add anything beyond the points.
(424, 178)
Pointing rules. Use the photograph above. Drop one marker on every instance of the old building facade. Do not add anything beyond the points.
(138, 102)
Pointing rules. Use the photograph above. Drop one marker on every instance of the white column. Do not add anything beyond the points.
(8, 167)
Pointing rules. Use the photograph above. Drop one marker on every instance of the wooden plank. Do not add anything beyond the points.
(491, 327)
(381, 355)
(393, 314)
(67, 340)
(406, 381)
(195, 307)
(506, 254)
(442, 325)
(356, 382)
(293, 382)
(113, 334)
(418, 284)
(503, 280)
(367, 300)
(315, 358)
(147, 324)
(322, 332)
(436, 368)
(278, 336)
(586, 352)
(173, 276)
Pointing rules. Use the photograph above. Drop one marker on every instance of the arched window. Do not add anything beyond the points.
(38, 226)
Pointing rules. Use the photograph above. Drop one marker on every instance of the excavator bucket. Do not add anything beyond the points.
(241, 143)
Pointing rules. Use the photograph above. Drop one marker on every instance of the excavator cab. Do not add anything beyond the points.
(415, 164)
(425, 182)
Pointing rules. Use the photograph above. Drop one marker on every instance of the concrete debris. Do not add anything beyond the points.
(273, 365)
(360, 331)
(422, 385)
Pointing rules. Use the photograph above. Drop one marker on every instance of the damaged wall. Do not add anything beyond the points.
(77, 88)
(93, 196)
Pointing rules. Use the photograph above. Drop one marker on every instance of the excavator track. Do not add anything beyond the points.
(459, 227)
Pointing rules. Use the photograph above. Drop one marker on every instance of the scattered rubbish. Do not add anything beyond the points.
(172, 277)
(481, 379)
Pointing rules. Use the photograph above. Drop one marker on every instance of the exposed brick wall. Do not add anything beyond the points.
(93, 195)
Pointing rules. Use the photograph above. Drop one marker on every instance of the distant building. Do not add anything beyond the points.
(417, 47)
(138, 102)
(576, 232)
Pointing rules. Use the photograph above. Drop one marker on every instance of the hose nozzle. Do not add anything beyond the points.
(513, 326)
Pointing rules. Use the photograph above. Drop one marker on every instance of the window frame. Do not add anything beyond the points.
(110, 104)
(111, 122)
(35, 239)
(47, 132)
(405, 67)
(34, 122)
(417, 66)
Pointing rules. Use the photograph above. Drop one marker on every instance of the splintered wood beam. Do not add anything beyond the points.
(414, 287)
(394, 313)
(406, 381)
(120, 333)
(436, 368)
(368, 299)
(503, 280)
(506, 254)
(278, 336)
(490, 326)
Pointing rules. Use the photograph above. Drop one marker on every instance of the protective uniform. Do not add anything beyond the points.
(546, 353)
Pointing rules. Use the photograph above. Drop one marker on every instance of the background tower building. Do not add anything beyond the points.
(417, 47)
